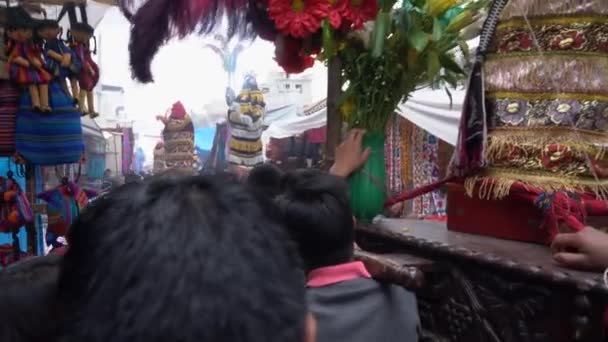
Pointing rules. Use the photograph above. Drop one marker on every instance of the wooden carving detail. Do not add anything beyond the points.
(469, 304)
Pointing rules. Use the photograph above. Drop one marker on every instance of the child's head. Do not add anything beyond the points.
(266, 179)
(48, 29)
(317, 213)
(181, 259)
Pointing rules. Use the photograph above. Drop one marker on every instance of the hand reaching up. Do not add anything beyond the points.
(350, 155)
(587, 249)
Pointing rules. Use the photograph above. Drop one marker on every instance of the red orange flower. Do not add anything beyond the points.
(298, 18)
(357, 12)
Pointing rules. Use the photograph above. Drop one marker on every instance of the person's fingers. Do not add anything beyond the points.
(566, 241)
(574, 260)
(365, 155)
(359, 137)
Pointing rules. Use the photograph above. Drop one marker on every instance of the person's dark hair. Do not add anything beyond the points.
(266, 179)
(316, 211)
(181, 259)
(28, 291)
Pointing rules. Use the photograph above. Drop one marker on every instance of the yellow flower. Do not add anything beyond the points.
(436, 8)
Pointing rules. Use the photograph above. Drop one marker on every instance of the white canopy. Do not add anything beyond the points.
(429, 109)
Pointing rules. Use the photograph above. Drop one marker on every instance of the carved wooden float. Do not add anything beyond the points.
(473, 288)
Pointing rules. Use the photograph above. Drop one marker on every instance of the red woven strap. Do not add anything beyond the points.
(408, 195)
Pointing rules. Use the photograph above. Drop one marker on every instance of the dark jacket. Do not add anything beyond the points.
(362, 309)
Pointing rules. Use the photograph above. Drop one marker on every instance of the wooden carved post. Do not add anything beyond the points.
(334, 119)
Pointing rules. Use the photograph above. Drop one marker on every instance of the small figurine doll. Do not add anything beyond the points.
(88, 77)
(25, 62)
(61, 61)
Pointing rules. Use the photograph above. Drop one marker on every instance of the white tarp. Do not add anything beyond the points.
(428, 109)
(431, 110)
(291, 125)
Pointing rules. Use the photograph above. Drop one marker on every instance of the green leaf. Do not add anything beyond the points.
(418, 39)
(329, 48)
(451, 79)
(450, 96)
(448, 63)
(433, 65)
(464, 47)
(437, 30)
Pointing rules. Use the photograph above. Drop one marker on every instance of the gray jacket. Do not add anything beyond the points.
(364, 310)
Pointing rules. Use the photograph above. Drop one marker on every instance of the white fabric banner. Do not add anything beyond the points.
(427, 108)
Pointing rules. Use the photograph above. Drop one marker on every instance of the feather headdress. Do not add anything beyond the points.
(157, 21)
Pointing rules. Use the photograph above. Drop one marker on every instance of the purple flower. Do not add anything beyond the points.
(512, 112)
(564, 112)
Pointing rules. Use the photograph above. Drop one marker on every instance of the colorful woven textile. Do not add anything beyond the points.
(49, 139)
(393, 153)
(27, 75)
(64, 204)
(546, 89)
(9, 104)
(425, 170)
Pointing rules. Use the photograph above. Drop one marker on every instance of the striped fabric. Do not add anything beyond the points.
(49, 139)
(9, 103)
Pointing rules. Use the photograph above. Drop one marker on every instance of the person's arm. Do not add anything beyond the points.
(587, 249)
(350, 155)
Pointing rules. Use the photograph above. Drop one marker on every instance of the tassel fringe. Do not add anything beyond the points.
(494, 184)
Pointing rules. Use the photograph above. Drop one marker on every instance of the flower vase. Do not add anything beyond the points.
(368, 185)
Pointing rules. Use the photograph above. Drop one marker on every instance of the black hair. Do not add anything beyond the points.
(83, 27)
(181, 259)
(47, 23)
(18, 18)
(316, 211)
(266, 179)
(28, 291)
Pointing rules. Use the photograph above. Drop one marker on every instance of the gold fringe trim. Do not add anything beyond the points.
(178, 125)
(546, 96)
(496, 184)
(552, 20)
(581, 142)
(553, 53)
(546, 8)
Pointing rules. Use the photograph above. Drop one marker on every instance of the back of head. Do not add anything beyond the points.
(28, 292)
(181, 259)
(317, 214)
(266, 179)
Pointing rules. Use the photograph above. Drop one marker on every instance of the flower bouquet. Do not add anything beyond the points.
(388, 50)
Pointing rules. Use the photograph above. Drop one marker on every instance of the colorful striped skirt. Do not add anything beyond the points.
(49, 139)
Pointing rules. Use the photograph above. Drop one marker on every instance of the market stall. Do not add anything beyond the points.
(46, 86)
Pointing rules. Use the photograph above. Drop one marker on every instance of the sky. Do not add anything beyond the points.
(183, 70)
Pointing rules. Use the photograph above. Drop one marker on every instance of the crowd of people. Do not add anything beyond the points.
(204, 258)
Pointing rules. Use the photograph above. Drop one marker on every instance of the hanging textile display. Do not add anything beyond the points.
(9, 102)
(127, 150)
(534, 129)
(394, 155)
(425, 170)
(47, 128)
(159, 158)
(246, 118)
(178, 136)
(64, 204)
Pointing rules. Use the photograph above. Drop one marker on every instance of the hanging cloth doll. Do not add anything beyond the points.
(16, 210)
(61, 61)
(84, 82)
(64, 204)
(178, 137)
(25, 62)
(246, 118)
